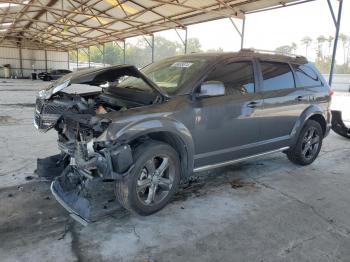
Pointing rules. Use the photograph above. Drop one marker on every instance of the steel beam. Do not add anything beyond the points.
(337, 28)
(103, 55)
(68, 60)
(88, 53)
(151, 45)
(46, 60)
(124, 52)
(242, 35)
(20, 61)
(184, 41)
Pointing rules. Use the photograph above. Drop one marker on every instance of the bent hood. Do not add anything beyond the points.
(96, 77)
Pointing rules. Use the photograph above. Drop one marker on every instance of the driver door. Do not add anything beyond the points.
(226, 126)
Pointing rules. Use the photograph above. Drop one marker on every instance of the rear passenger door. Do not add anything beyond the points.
(283, 103)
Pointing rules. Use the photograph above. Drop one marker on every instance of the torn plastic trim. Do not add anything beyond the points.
(56, 193)
(338, 125)
(111, 163)
(86, 198)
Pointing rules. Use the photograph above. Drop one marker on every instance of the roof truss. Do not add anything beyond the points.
(68, 24)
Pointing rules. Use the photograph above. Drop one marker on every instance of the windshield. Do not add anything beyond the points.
(168, 75)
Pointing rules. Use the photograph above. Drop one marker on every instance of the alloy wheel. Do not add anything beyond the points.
(155, 180)
(311, 143)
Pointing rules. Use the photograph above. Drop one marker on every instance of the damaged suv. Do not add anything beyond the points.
(145, 131)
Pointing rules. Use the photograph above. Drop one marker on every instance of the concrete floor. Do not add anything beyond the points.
(262, 210)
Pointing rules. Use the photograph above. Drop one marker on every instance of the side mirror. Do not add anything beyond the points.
(211, 88)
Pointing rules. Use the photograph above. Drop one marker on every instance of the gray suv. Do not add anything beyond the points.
(147, 130)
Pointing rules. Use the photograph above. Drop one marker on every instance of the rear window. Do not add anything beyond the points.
(276, 76)
(307, 76)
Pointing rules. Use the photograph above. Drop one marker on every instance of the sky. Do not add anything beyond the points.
(268, 30)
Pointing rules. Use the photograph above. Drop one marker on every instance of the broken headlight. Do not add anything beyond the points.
(56, 87)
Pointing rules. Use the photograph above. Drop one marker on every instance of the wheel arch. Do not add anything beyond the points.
(168, 131)
(313, 112)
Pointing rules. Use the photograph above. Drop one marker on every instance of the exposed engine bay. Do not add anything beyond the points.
(80, 119)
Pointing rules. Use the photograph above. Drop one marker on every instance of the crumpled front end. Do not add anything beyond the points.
(92, 165)
(85, 199)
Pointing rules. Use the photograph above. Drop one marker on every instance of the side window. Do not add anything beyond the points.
(307, 76)
(238, 77)
(276, 76)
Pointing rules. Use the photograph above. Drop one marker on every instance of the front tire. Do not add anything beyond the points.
(308, 145)
(153, 180)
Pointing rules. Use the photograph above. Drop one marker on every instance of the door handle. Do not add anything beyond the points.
(252, 104)
(299, 98)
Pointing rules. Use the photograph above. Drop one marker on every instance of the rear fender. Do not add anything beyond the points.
(305, 116)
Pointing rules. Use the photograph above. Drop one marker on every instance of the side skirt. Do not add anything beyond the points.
(208, 167)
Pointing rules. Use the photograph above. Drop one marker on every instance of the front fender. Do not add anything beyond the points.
(143, 127)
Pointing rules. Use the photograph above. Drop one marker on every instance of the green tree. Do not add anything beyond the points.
(307, 42)
(320, 42)
(215, 50)
(165, 48)
(113, 54)
(193, 45)
(294, 47)
(345, 40)
(284, 49)
(330, 41)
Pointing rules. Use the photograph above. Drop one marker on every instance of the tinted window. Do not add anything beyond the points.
(307, 76)
(276, 76)
(238, 77)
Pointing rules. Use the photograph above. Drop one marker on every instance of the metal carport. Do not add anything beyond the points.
(71, 24)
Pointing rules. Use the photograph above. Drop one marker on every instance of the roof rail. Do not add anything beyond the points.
(261, 51)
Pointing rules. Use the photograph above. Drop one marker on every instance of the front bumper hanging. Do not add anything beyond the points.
(85, 199)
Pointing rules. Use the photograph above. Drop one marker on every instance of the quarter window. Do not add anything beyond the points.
(307, 77)
(276, 76)
(238, 77)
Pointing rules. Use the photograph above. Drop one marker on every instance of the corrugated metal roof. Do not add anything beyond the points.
(67, 24)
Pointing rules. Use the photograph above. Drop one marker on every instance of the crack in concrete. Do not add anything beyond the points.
(71, 228)
(337, 228)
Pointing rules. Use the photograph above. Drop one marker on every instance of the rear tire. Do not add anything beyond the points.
(308, 145)
(153, 180)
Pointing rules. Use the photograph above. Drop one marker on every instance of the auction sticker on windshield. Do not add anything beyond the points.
(182, 64)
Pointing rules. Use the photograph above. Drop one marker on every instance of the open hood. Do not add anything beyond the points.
(96, 77)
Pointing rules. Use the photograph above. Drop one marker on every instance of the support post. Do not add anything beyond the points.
(46, 60)
(77, 59)
(242, 35)
(68, 60)
(20, 61)
(124, 52)
(103, 55)
(186, 40)
(337, 27)
(152, 48)
(88, 53)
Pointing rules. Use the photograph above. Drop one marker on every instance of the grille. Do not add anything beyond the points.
(38, 105)
(37, 120)
(53, 108)
(49, 107)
